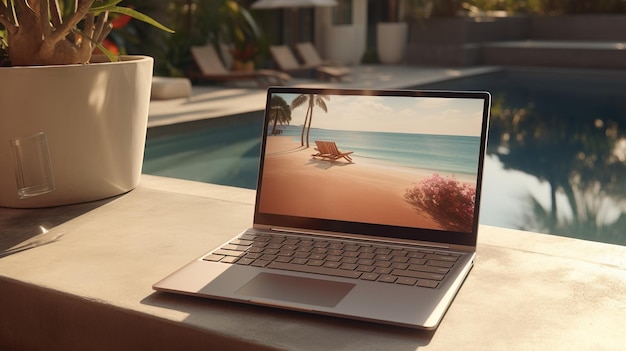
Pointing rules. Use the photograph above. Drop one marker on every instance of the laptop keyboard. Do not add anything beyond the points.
(370, 261)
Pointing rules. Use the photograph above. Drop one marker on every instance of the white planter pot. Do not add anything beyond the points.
(345, 43)
(94, 118)
(391, 39)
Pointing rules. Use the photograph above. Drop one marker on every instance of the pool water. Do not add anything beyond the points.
(554, 163)
(220, 150)
(556, 155)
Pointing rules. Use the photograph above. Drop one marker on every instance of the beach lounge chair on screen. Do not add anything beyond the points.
(212, 68)
(287, 62)
(329, 150)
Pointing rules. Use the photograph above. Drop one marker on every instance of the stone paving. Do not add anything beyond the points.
(210, 101)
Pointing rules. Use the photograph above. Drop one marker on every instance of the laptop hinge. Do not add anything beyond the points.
(385, 240)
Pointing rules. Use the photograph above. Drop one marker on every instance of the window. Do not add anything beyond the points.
(342, 13)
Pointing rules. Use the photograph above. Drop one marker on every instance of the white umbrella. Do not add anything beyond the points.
(275, 4)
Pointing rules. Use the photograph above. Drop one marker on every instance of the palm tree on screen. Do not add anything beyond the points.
(280, 112)
(312, 100)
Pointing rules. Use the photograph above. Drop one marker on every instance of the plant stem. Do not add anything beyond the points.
(55, 14)
(65, 28)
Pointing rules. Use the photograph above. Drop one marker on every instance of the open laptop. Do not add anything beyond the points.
(367, 207)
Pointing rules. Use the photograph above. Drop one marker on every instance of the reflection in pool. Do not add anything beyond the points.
(556, 154)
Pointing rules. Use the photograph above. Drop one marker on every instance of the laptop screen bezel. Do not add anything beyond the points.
(370, 229)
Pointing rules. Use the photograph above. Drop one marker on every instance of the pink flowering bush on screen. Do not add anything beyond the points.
(448, 201)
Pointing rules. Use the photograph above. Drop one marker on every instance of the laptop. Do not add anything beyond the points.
(367, 207)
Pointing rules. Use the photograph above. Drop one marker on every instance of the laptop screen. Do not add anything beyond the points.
(404, 164)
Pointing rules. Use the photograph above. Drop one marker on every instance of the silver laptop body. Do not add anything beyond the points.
(358, 177)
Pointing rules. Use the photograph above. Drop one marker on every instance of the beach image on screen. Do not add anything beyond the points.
(404, 161)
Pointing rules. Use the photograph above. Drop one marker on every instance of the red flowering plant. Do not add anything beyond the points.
(242, 32)
(448, 201)
(244, 52)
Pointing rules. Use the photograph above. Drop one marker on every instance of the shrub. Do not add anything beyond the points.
(448, 201)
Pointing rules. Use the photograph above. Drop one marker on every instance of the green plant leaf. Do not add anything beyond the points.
(104, 5)
(111, 56)
(136, 15)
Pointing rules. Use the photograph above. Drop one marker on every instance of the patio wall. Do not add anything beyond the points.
(579, 28)
(591, 41)
(456, 41)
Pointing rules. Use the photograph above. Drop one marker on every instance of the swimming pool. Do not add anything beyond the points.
(555, 159)
(220, 150)
(556, 151)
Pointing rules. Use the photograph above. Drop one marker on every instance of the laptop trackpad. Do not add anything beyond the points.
(296, 289)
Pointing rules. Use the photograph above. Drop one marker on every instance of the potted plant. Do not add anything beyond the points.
(225, 24)
(72, 125)
(243, 57)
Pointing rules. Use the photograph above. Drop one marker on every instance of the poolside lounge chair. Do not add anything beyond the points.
(287, 62)
(211, 68)
(328, 150)
(309, 55)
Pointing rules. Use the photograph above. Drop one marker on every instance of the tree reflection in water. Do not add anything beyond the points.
(567, 128)
(580, 157)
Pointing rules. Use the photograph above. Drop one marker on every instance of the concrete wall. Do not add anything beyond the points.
(342, 43)
(581, 28)
(456, 41)
(593, 41)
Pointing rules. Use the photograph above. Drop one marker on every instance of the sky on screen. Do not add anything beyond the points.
(395, 114)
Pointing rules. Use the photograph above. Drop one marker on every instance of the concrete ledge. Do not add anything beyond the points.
(91, 290)
(44, 319)
(605, 55)
(462, 55)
